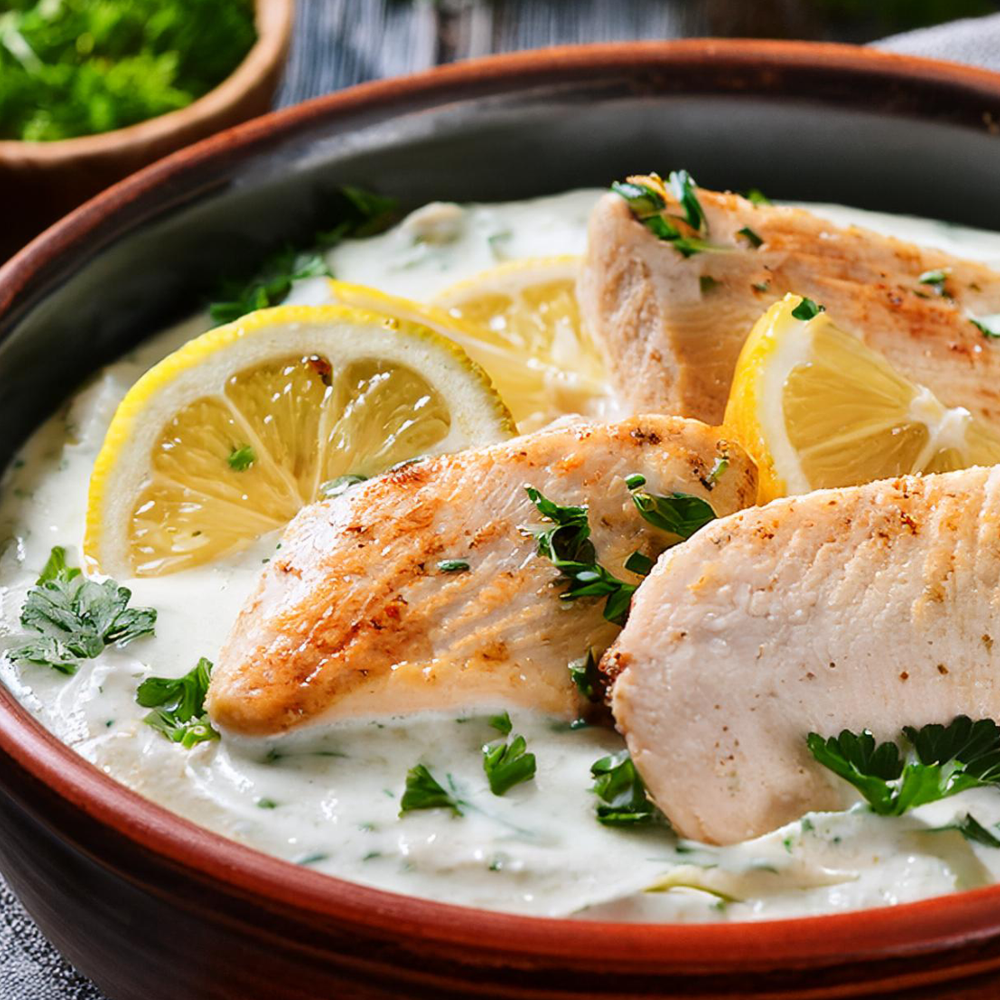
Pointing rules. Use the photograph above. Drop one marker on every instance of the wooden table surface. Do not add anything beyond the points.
(341, 42)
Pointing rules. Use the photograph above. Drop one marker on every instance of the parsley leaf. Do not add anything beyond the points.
(241, 458)
(507, 765)
(807, 309)
(716, 472)
(682, 186)
(988, 326)
(74, 618)
(677, 513)
(358, 212)
(757, 197)
(706, 283)
(648, 205)
(501, 723)
(453, 566)
(339, 486)
(586, 676)
(622, 793)
(936, 279)
(751, 237)
(640, 564)
(423, 792)
(567, 545)
(939, 761)
(178, 705)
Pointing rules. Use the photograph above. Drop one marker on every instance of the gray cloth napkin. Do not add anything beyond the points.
(337, 43)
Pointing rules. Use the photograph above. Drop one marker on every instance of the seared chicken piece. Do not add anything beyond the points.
(871, 606)
(671, 327)
(355, 616)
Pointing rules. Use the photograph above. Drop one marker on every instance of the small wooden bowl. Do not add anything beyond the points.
(42, 181)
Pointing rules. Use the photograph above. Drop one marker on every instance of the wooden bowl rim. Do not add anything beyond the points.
(906, 929)
(273, 21)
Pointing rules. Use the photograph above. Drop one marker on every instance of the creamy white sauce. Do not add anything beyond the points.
(329, 798)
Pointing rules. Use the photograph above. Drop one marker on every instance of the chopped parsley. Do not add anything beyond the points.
(706, 283)
(989, 326)
(241, 458)
(648, 206)
(751, 237)
(622, 794)
(339, 486)
(757, 197)
(453, 566)
(807, 310)
(586, 676)
(72, 618)
(424, 792)
(936, 279)
(358, 213)
(178, 705)
(501, 723)
(640, 564)
(567, 545)
(716, 473)
(507, 764)
(761, 286)
(970, 828)
(938, 761)
(677, 513)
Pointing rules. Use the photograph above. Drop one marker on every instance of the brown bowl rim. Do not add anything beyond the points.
(908, 928)
(273, 20)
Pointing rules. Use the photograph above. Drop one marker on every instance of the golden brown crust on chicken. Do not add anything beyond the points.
(354, 617)
(671, 327)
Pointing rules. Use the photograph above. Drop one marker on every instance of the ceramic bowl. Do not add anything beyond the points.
(41, 181)
(155, 908)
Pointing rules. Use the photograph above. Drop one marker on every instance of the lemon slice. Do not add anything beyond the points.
(816, 407)
(228, 437)
(528, 309)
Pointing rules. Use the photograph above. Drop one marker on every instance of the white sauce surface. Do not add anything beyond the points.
(329, 799)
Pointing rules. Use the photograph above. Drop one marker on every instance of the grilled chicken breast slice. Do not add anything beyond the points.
(353, 616)
(671, 327)
(872, 607)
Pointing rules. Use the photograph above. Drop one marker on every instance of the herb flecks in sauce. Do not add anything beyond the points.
(73, 618)
(178, 705)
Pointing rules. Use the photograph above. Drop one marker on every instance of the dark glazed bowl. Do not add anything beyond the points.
(155, 908)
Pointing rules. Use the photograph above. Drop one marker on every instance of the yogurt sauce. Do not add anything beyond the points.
(329, 798)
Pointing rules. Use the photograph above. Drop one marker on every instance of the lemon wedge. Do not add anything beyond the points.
(528, 310)
(816, 407)
(228, 437)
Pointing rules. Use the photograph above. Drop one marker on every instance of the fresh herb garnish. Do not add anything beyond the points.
(648, 205)
(682, 187)
(73, 618)
(757, 197)
(761, 286)
(507, 765)
(501, 723)
(936, 279)
(807, 310)
(339, 486)
(586, 676)
(706, 283)
(640, 564)
(751, 237)
(452, 565)
(938, 761)
(970, 828)
(567, 544)
(622, 793)
(986, 328)
(178, 705)
(359, 213)
(677, 513)
(241, 458)
(720, 466)
(423, 792)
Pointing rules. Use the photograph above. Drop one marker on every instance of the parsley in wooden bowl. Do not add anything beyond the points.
(94, 90)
